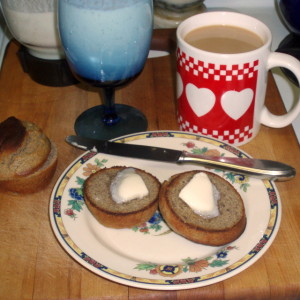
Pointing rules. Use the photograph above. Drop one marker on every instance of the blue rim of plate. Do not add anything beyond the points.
(162, 284)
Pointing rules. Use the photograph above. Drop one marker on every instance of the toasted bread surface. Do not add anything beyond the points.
(28, 158)
(216, 231)
(24, 148)
(99, 200)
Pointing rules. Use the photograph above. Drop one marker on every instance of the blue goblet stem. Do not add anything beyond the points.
(108, 97)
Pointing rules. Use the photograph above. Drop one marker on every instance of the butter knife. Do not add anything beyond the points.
(258, 168)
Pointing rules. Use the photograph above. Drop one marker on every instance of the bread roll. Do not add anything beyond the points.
(99, 200)
(28, 158)
(215, 231)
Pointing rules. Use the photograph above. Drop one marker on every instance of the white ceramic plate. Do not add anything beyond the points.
(151, 256)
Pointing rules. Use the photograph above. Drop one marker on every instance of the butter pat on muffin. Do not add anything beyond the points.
(219, 221)
(121, 197)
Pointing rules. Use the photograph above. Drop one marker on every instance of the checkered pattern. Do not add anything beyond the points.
(234, 137)
(217, 71)
(219, 79)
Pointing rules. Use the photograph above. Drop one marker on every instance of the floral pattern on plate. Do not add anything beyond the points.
(188, 264)
(150, 255)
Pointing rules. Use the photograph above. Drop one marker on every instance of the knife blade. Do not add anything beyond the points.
(258, 168)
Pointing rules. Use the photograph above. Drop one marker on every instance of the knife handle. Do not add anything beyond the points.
(262, 169)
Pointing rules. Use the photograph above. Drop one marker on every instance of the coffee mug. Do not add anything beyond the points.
(223, 59)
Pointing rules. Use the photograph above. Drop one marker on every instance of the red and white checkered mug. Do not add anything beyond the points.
(223, 95)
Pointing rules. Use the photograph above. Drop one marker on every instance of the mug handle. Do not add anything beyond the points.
(291, 63)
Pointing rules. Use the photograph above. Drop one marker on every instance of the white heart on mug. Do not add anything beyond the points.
(201, 100)
(235, 104)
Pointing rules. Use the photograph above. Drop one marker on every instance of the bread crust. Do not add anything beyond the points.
(121, 219)
(12, 134)
(35, 181)
(24, 153)
(197, 233)
(28, 159)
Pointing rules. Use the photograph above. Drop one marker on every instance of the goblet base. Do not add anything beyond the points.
(89, 123)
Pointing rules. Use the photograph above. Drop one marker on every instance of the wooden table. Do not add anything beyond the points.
(34, 265)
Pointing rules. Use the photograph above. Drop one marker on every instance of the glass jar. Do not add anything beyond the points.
(170, 13)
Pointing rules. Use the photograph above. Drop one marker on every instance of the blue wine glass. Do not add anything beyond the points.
(106, 43)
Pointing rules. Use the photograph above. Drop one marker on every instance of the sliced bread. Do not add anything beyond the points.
(215, 231)
(99, 200)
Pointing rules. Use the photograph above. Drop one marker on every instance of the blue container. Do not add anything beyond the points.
(290, 12)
